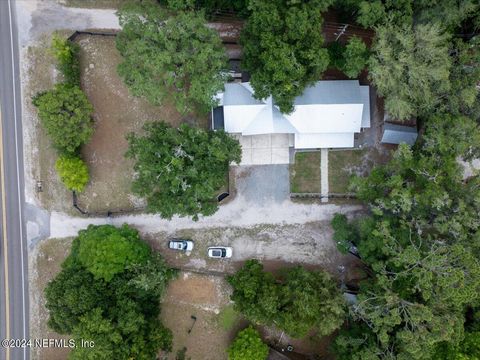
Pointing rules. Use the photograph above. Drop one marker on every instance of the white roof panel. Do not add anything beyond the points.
(334, 118)
(238, 117)
(321, 141)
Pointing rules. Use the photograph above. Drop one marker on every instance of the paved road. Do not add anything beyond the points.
(14, 304)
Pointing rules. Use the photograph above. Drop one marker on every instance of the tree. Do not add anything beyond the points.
(211, 7)
(469, 347)
(450, 13)
(66, 115)
(310, 299)
(351, 59)
(73, 172)
(72, 294)
(303, 300)
(421, 245)
(255, 293)
(107, 250)
(121, 315)
(68, 62)
(283, 48)
(464, 97)
(356, 56)
(248, 345)
(170, 57)
(410, 68)
(179, 171)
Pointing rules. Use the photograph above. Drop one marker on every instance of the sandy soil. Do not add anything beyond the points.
(203, 297)
(39, 74)
(190, 294)
(117, 113)
(308, 244)
(44, 264)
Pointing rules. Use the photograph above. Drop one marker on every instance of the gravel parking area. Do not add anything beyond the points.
(277, 246)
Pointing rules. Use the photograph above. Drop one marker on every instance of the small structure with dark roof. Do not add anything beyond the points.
(397, 134)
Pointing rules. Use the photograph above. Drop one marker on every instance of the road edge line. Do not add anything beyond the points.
(5, 242)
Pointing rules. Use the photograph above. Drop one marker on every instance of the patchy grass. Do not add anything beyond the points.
(117, 113)
(94, 4)
(46, 258)
(228, 317)
(343, 164)
(305, 173)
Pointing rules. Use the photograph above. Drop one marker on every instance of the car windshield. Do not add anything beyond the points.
(217, 252)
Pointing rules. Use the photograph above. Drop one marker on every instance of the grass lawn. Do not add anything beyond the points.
(342, 164)
(228, 317)
(305, 173)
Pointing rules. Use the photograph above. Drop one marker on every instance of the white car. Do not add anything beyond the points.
(180, 244)
(219, 252)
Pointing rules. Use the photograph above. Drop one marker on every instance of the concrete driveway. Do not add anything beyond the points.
(265, 149)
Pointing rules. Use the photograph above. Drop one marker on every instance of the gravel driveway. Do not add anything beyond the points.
(262, 184)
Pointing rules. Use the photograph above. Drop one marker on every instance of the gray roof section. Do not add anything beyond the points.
(238, 94)
(331, 92)
(396, 134)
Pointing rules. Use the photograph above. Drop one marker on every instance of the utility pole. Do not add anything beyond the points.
(344, 28)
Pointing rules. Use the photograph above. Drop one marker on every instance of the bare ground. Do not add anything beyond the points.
(44, 264)
(203, 297)
(277, 246)
(117, 113)
(39, 74)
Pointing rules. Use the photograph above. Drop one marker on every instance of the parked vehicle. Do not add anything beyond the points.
(219, 252)
(180, 244)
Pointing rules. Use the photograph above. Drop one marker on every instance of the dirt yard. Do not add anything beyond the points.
(205, 297)
(40, 75)
(45, 261)
(117, 113)
(202, 297)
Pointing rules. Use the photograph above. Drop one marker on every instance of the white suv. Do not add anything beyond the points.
(219, 252)
(180, 244)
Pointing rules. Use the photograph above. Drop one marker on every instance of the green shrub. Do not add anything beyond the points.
(356, 56)
(73, 172)
(66, 53)
(66, 115)
(248, 345)
(351, 59)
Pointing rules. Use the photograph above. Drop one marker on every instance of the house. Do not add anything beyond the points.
(326, 115)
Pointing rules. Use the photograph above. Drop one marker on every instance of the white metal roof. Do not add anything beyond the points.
(327, 118)
(326, 140)
(330, 111)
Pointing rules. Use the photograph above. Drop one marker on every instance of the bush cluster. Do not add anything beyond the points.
(66, 115)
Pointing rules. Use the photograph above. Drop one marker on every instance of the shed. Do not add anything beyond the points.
(397, 134)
